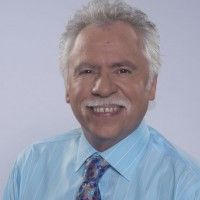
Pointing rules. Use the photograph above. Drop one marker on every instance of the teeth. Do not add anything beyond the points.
(105, 109)
(101, 110)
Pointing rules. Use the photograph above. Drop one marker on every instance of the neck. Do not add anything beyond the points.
(102, 144)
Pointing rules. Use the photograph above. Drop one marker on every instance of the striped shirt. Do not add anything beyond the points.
(144, 166)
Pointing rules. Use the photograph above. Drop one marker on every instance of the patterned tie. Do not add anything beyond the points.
(95, 168)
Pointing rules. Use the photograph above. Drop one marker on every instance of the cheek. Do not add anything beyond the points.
(138, 97)
(78, 91)
(134, 90)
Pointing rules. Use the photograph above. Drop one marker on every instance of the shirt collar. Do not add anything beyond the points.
(124, 156)
(85, 150)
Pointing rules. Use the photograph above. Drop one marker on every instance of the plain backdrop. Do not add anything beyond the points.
(32, 103)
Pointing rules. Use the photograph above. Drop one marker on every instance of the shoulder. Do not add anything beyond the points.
(39, 159)
(45, 148)
(165, 148)
(184, 168)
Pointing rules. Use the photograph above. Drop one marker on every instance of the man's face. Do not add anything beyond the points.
(107, 82)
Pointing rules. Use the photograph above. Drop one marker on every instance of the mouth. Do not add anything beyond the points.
(106, 110)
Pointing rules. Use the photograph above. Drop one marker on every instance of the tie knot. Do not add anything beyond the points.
(95, 167)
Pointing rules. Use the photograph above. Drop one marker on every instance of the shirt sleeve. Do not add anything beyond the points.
(194, 192)
(14, 184)
(11, 191)
(189, 187)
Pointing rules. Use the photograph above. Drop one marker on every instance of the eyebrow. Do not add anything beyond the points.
(84, 64)
(124, 63)
(113, 65)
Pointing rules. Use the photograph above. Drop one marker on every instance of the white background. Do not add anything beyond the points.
(32, 104)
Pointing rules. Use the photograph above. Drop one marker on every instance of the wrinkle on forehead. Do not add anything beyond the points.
(106, 44)
(102, 33)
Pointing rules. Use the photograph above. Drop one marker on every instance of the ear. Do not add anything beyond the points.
(67, 95)
(152, 88)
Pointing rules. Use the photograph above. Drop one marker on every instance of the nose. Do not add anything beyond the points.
(104, 86)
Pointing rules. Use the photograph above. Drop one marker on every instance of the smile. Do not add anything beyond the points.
(111, 109)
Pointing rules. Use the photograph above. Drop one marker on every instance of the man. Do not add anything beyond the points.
(110, 62)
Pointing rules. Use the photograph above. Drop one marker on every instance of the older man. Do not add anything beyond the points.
(110, 62)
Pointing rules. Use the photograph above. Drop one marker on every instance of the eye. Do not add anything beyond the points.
(86, 71)
(124, 71)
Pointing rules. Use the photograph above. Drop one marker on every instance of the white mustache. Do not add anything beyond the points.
(106, 102)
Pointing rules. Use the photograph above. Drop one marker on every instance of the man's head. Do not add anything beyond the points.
(110, 67)
(107, 12)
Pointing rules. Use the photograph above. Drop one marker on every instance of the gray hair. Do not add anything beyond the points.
(106, 12)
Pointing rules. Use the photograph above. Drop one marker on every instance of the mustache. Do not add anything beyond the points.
(95, 102)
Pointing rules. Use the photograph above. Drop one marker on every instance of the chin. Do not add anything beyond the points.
(106, 134)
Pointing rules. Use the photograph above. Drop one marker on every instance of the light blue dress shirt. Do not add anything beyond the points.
(144, 166)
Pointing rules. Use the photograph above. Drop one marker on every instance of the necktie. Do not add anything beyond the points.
(95, 168)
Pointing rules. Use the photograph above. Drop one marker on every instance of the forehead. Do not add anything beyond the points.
(106, 43)
(107, 34)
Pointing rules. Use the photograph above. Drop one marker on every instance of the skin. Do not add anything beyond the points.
(108, 61)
